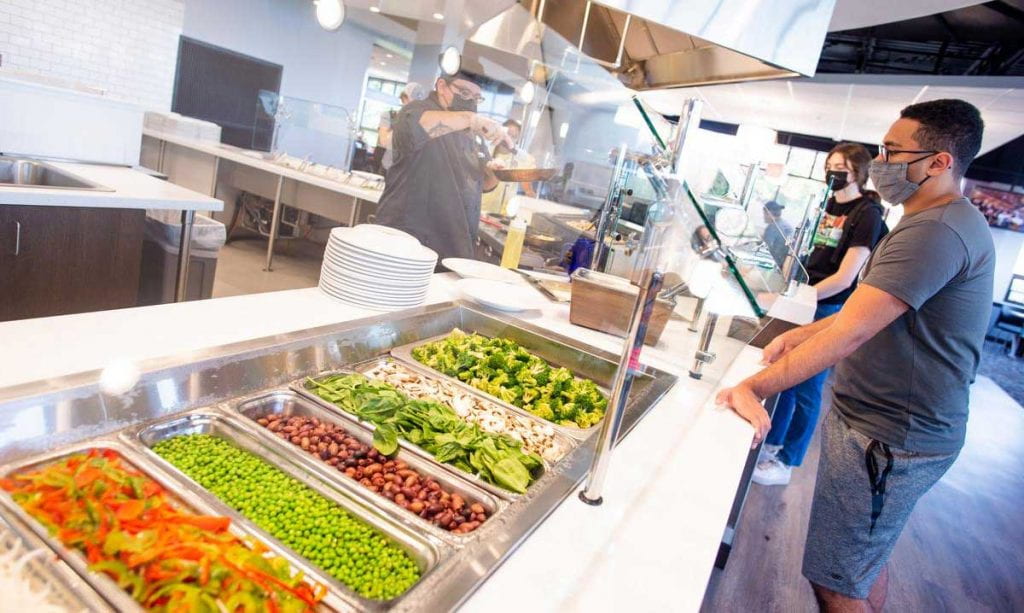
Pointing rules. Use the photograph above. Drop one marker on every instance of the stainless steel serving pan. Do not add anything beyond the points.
(300, 387)
(182, 497)
(288, 403)
(428, 373)
(426, 551)
(404, 353)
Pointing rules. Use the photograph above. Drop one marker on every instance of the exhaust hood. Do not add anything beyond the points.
(657, 44)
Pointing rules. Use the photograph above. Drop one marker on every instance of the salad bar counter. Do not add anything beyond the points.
(389, 463)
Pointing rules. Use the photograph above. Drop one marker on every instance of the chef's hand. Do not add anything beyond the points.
(493, 131)
(745, 402)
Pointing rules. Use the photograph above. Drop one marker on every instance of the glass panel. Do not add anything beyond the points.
(303, 130)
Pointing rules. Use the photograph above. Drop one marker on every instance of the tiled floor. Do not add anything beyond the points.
(240, 267)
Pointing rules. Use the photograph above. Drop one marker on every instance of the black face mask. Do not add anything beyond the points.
(837, 179)
(462, 104)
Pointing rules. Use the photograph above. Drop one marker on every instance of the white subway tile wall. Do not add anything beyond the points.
(128, 48)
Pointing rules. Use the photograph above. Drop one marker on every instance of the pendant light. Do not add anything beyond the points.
(330, 14)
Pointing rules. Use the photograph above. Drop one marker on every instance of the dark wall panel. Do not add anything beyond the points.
(221, 85)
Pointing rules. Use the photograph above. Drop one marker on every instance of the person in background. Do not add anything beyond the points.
(849, 229)
(777, 231)
(907, 343)
(440, 168)
(515, 130)
(411, 91)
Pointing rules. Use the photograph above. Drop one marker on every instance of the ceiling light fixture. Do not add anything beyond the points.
(374, 9)
(450, 61)
(439, 16)
(526, 92)
(330, 14)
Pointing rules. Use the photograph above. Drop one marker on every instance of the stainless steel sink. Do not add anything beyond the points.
(23, 172)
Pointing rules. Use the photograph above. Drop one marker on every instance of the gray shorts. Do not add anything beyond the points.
(844, 553)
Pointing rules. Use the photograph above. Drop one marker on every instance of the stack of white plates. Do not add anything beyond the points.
(376, 267)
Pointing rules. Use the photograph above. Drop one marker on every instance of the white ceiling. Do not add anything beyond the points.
(859, 109)
(850, 14)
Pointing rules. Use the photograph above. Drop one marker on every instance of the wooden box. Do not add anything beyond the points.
(604, 302)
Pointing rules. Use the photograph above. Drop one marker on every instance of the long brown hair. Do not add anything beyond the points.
(857, 160)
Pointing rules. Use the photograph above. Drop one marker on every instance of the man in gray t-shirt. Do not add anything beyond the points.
(906, 346)
(907, 386)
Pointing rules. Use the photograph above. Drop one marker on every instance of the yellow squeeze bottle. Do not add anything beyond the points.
(514, 244)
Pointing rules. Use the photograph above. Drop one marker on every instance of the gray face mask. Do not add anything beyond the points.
(890, 179)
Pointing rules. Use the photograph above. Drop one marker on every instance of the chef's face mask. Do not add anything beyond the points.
(462, 104)
(890, 179)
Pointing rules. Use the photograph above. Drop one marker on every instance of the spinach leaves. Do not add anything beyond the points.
(433, 426)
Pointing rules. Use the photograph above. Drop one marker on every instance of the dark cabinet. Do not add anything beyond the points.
(61, 260)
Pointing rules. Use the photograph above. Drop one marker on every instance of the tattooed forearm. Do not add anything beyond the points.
(440, 129)
(439, 123)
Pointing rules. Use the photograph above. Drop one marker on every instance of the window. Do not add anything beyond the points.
(382, 97)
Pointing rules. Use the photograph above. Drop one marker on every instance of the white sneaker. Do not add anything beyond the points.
(768, 452)
(772, 472)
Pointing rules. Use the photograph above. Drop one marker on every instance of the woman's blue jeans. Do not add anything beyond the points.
(797, 411)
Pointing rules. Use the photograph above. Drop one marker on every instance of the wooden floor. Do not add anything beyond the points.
(963, 549)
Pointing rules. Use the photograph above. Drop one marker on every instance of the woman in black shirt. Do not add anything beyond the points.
(848, 230)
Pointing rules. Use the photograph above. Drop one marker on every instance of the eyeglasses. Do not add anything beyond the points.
(885, 152)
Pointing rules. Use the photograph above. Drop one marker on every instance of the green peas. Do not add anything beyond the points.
(350, 551)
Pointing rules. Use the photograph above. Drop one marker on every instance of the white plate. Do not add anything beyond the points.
(418, 255)
(371, 296)
(475, 269)
(376, 232)
(386, 245)
(344, 262)
(368, 260)
(348, 300)
(363, 304)
(390, 291)
(501, 296)
(377, 260)
(375, 280)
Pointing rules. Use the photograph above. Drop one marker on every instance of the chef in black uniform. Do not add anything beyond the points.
(440, 167)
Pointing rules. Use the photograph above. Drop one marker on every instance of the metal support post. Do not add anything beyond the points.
(704, 355)
(184, 253)
(611, 201)
(629, 361)
(275, 222)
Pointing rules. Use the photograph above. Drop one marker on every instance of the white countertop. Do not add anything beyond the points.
(130, 189)
(672, 482)
(239, 156)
